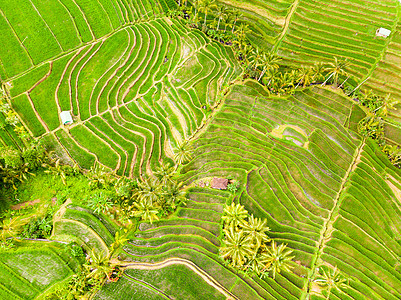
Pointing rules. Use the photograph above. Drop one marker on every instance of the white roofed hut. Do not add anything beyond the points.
(383, 32)
(66, 118)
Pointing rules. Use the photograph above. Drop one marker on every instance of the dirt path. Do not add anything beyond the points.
(328, 228)
(287, 24)
(25, 204)
(171, 261)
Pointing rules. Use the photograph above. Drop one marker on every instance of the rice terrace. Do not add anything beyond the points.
(200, 149)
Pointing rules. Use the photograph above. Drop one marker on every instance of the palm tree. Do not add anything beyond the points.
(371, 126)
(205, 6)
(164, 173)
(318, 70)
(272, 76)
(277, 258)
(234, 215)
(99, 265)
(184, 154)
(256, 229)
(237, 15)
(335, 69)
(100, 177)
(57, 171)
(387, 103)
(149, 190)
(237, 247)
(241, 31)
(145, 211)
(257, 56)
(174, 195)
(221, 12)
(330, 279)
(228, 20)
(305, 76)
(254, 265)
(120, 238)
(196, 4)
(393, 153)
(10, 227)
(100, 203)
(269, 61)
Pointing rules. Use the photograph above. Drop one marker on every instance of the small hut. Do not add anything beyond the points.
(383, 32)
(219, 183)
(66, 118)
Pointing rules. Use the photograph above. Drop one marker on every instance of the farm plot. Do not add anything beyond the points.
(29, 271)
(321, 30)
(301, 162)
(35, 31)
(80, 225)
(266, 19)
(386, 77)
(134, 95)
(191, 235)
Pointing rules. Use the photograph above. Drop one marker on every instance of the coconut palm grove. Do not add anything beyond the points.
(200, 149)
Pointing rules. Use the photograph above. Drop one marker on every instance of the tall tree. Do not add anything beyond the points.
(99, 265)
(183, 154)
(148, 190)
(234, 215)
(336, 69)
(237, 15)
(256, 229)
(304, 76)
(318, 71)
(164, 173)
(221, 13)
(237, 247)
(277, 259)
(205, 6)
(257, 58)
(241, 31)
(331, 279)
(387, 103)
(145, 211)
(174, 195)
(269, 61)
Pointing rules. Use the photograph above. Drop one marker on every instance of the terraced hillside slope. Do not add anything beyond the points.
(34, 268)
(138, 84)
(326, 192)
(135, 95)
(60, 27)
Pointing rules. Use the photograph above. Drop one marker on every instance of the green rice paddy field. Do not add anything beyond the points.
(138, 84)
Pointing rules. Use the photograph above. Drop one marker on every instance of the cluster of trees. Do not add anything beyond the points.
(260, 65)
(11, 117)
(17, 164)
(245, 244)
(147, 198)
(373, 124)
(96, 269)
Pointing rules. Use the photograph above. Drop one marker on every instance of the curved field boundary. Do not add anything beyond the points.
(203, 274)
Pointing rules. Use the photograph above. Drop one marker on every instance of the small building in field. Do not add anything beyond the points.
(66, 118)
(219, 183)
(383, 32)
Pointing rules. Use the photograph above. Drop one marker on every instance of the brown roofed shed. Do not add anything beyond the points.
(219, 183)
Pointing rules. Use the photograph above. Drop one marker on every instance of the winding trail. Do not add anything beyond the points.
(172, 261)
